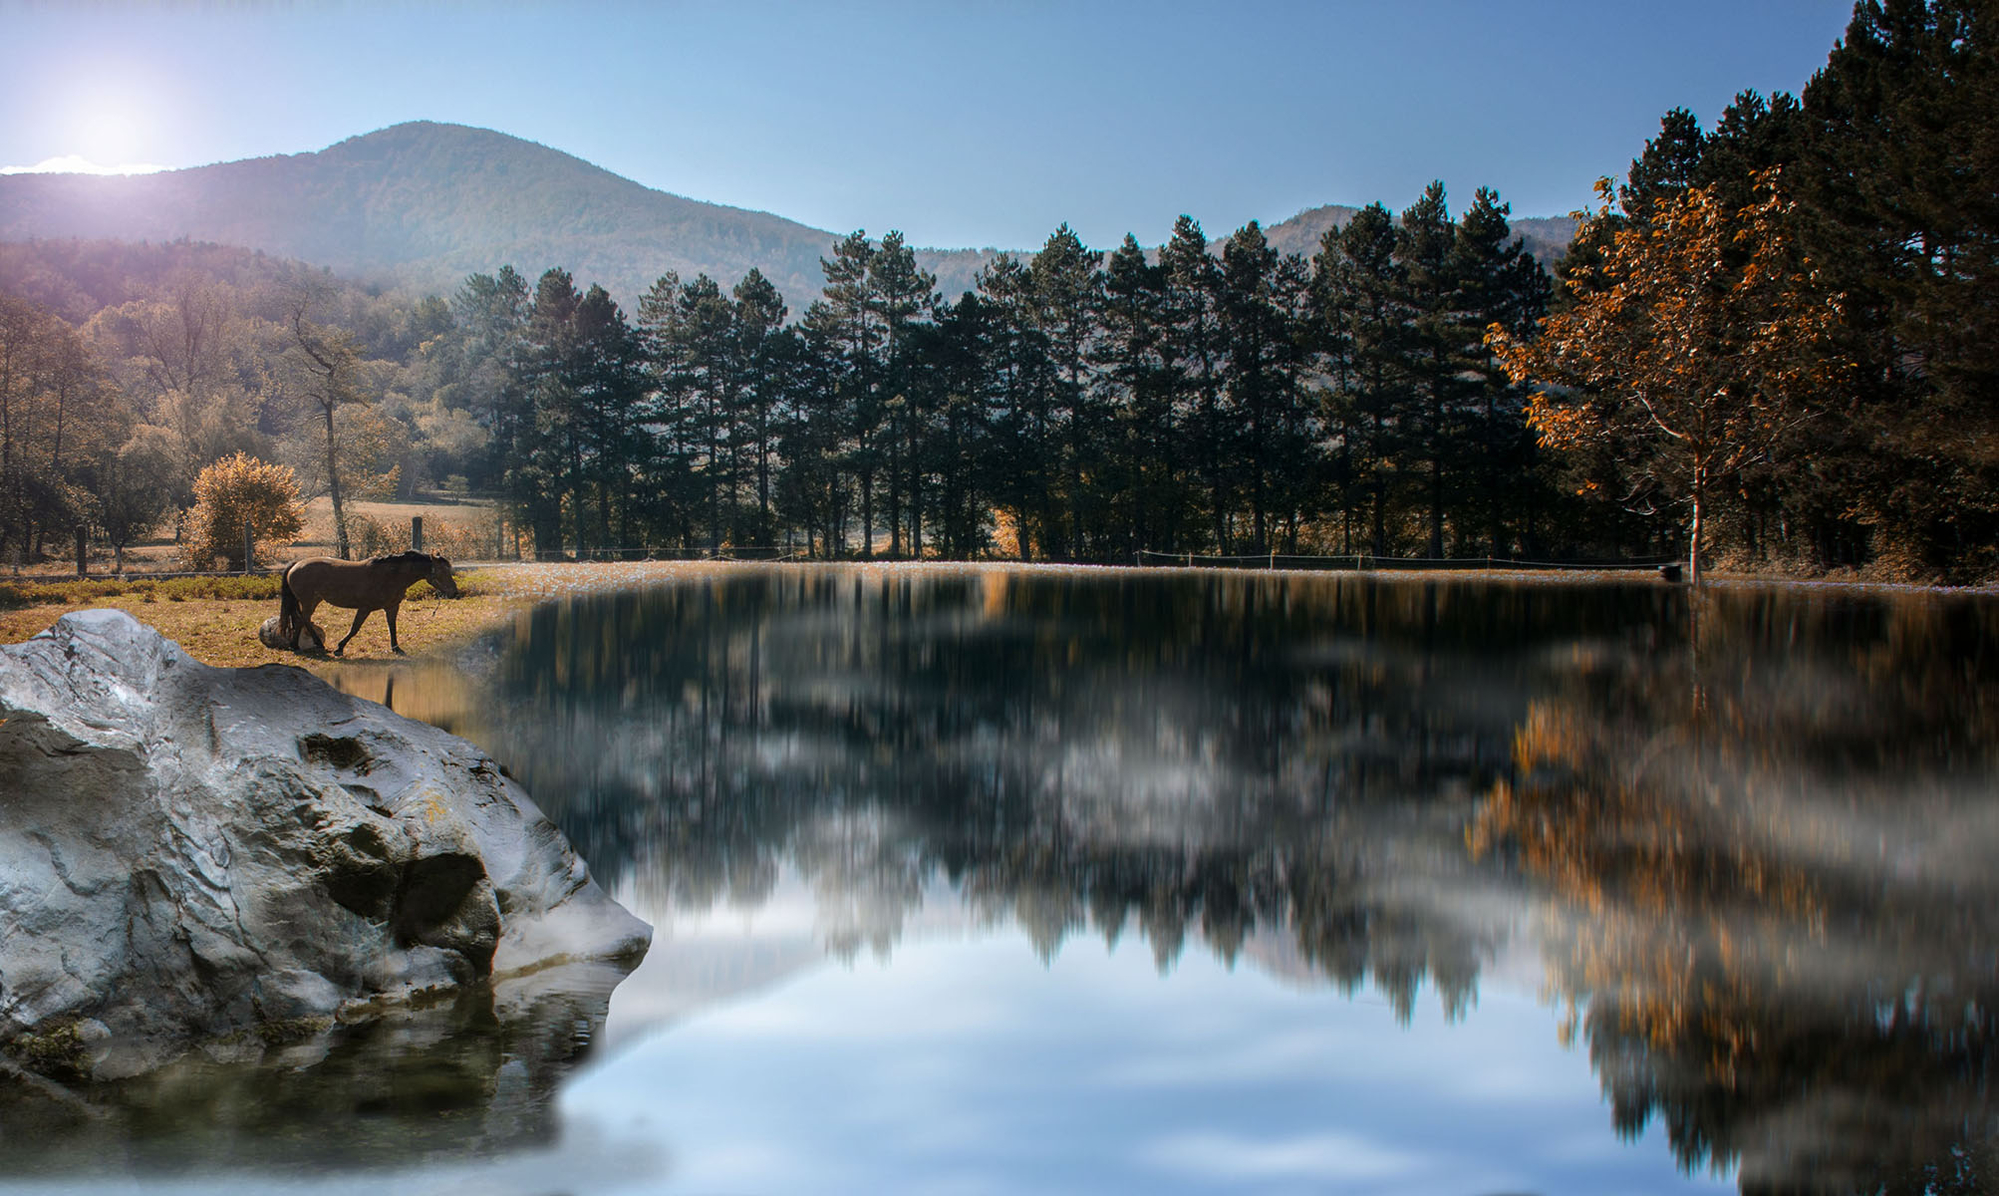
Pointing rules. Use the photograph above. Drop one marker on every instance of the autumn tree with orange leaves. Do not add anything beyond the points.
(1694, 346)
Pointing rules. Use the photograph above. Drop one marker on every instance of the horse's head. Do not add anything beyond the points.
(439, 577)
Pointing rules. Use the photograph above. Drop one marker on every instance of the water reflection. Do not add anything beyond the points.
(473, 1074)
(1747, 833)
(1766, 867)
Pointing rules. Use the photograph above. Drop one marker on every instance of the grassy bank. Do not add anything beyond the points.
(216, 618)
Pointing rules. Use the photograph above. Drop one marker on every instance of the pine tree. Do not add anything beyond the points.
(706, 328)
(960, 353)
(767, 356)
(1193, 352)
(490, 316)
(669, 494)
(1431, 360)
(1902, 132)
(1498, 283)
(1136, 392)
(1257, 337)
(1065, 283)
(811, 489)
(544, 470)
(906, 296)
(1669, 165)
(1018, 403)
(606, 380)
(850, 320)
(1360, 282)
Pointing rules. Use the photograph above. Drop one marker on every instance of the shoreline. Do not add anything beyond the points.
(223, 631)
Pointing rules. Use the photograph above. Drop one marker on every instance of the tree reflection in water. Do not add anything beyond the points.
(472, 1074)
(1751, 838)
(1766, 865)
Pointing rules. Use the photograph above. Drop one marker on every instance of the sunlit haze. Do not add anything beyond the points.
(77, 164)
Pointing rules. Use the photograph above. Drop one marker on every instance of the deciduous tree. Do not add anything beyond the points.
(1697, 345)
(327, 375)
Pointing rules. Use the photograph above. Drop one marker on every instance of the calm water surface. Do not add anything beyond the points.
(1011, 881)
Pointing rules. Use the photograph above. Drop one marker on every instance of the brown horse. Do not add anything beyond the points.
(360, 586)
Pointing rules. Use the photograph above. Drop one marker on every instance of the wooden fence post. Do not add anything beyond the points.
(249, 548)
(416, 533)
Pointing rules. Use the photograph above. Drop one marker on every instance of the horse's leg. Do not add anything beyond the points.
(360, 617)
(389, 612)
(306, 609)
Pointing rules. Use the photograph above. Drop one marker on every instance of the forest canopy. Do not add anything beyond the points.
(1411, 387)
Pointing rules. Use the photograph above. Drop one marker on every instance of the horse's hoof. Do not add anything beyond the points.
(398, 651)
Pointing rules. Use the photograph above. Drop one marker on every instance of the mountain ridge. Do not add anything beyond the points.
(423, 204)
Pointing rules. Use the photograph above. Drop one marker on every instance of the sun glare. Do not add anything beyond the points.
(77, 164)
(107, 133)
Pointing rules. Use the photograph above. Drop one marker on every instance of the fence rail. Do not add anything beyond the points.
(1362, 562)
(771, 553)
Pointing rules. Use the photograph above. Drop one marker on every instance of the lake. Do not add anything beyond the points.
(1009, 880)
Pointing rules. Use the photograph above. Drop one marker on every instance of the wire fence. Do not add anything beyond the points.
(1369, 563)
(765, 553)
(775, 553)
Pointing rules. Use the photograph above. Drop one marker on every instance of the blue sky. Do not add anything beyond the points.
(959, 123)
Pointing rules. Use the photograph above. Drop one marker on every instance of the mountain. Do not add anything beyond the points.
(425, 204)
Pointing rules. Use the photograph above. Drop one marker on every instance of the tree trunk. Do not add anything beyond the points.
(333, 488)
(763, 487)
(1436, 468)
(1694, 528)
(868, 513)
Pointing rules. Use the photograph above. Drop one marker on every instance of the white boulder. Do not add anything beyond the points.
(187, 853)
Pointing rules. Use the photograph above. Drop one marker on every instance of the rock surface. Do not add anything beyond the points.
(311, 637)
(188, 853)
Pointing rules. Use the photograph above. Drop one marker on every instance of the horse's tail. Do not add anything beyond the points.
(289, 620)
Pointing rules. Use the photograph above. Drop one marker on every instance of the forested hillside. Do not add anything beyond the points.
(1770, 348)
(424, 204)
(125, 369)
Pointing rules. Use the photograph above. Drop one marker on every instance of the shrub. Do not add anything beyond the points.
(447, 538)
(238, 490)
(17, 595)
(220, 588)
(368, 536)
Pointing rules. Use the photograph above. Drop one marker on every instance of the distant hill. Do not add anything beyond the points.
(425, 204)
(1546, 237)
(422, 205)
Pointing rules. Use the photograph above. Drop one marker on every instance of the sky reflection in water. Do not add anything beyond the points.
(962, 1064)
(1341, 834)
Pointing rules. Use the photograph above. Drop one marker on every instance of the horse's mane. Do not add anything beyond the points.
(405, 558)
